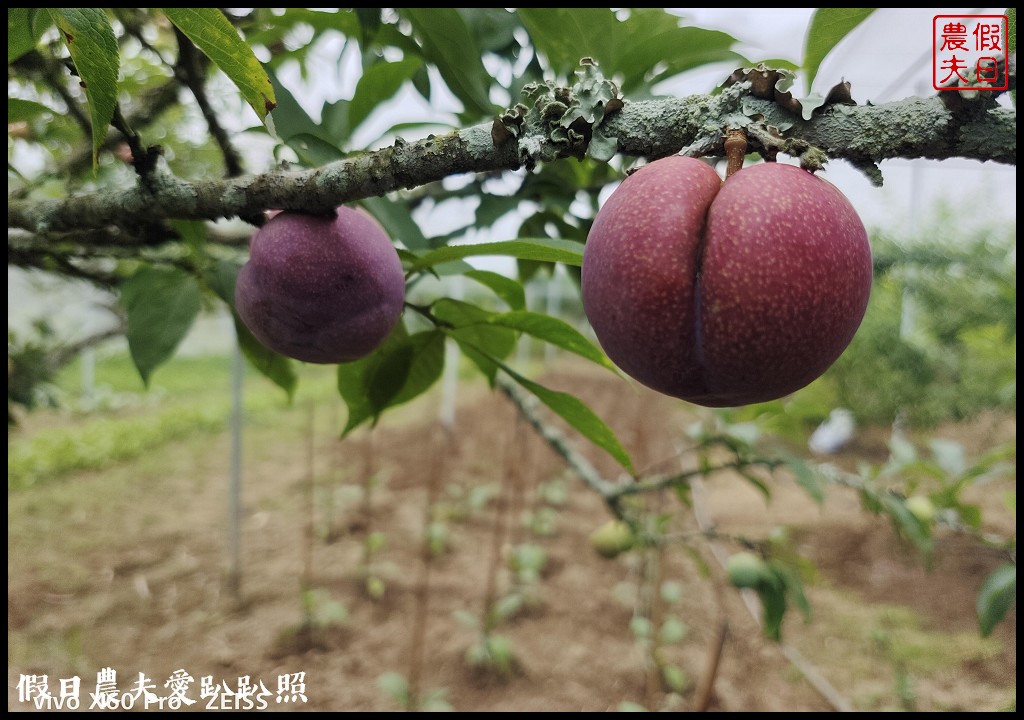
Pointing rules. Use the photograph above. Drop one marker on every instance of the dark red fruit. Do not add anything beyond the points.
(725, 294)
(321, 289)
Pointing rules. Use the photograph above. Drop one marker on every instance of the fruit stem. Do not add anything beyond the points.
(735, 151)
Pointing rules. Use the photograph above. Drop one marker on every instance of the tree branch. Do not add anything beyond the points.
(864, 135)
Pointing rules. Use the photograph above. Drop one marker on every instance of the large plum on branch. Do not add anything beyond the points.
(321, 289)
(725, 294)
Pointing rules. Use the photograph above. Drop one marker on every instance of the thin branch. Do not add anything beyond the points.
(527, 406)
(654, 483)
(190, 70)
(911, 128)
(148, 107)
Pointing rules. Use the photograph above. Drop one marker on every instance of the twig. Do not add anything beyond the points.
(663, 482)
(190, 71)
(559, 443)
(705, 690)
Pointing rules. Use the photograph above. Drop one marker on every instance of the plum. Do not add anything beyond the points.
(321, 289)
(725, 294)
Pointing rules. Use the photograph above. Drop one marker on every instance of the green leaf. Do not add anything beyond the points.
(93, 47)
(647, 46)
(24, 28)
(576, 413)
(805, 477)
(397, 221)
(794, 587)
(401, 369)
(542, 249)
(482, 343)
(313, 150)
(378, 83)
(773, 602)
(506, 288)
(18, 109)
(369, 22)
(996, 597)
(446, 41)
(279, 369)
(554, 331)
(289, 118)
(908, 524)
(218, 39)
(828, 27)
(160, 304)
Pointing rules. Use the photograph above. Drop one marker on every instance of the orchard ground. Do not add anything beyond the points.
(125, 566)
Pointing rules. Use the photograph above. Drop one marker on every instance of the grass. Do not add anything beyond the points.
(871, 647)
(188, 396)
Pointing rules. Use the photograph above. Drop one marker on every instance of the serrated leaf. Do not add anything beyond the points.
(90, 41)
(218, 39)
(24, 28)
(161, 305)
(540, 249)
(509, 290)
(578, 415)
(996, 596)
(828, 27)
(552, 330)
(401, 369)
(378, 83)
(279, 369)
(446, 41)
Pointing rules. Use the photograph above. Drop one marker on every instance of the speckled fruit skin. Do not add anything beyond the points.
(321, 289)
(725, 294)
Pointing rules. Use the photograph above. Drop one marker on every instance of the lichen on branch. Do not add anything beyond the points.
(864, 135)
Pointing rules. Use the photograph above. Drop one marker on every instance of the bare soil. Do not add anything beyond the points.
(128, 569)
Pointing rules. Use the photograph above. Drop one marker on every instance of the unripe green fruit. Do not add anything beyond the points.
(922, 508)
(612, 538)
(745, 569)
(725, 294)
(321, 289)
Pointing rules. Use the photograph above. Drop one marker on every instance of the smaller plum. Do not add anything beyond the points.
(321, 289)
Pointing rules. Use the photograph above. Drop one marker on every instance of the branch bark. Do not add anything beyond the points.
(863, 135)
